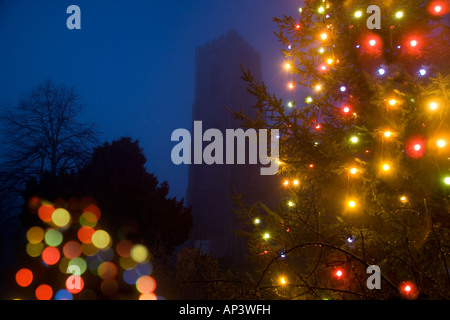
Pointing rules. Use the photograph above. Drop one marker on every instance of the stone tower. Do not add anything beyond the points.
(218, 86)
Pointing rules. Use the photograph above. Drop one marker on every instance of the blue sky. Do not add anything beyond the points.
(133, 61)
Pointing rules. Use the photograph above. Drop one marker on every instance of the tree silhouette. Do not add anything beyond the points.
(134, 205)
(42, 134)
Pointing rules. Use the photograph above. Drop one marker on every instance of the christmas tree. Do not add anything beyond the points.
(364, 155)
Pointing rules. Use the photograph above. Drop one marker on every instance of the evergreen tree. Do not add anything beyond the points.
(364, 155)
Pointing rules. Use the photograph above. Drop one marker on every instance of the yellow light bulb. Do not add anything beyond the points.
(266, 236)
(257, 221)
(330, 61)
(353, 171)
(399, 14)
(352, 204)
(291, 204)
(321, 50)
(324, 36)
(287, 66)
(318, 87)
(282, 280)
(392, 102)
(433, 106)
(358, 14)
(387, 134)
(354, 139)
(403, 199)
(296, 182)
(291, 85)
(386, 167)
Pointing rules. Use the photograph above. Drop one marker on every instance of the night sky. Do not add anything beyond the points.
(133, 61)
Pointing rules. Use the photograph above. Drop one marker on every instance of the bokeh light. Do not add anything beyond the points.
(148, 296)
(34, 250)
(144, 269)
(45, 212)
(35, 235)
(74, 284)
(51, 256)
(79, 263)
(131, 276)
(88, 219)
(53, 237)
(89, 249)
(106, 255)
(61, 217)
(146, 284)
(72, 250)
(63, 295)
(127, 263)
(44, 292)
(101, 239)
(24, 277)
(139, 253)
(123, 248)
(85, 234)
(107, 271)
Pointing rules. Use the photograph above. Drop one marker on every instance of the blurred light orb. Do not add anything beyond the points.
(139, 253)
(146, 284)
(63, 295)
(101, 239)
(61, 217)
(44, 292)
(34, 250)
(80, 264)
(75, 284)
(148, 296)
(72, 250)
(53, 237)
(107, 271)
(85, 234)
(51, 256)
(35, 235)
(144, 269)
(123, 248)
(24, 277)
(45, 212)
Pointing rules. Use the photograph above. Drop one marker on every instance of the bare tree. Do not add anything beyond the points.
(42, 134)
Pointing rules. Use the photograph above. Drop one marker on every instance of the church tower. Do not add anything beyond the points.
(218, 86)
